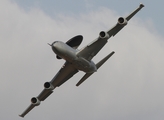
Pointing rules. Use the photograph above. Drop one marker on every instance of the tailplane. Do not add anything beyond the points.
(98, 65)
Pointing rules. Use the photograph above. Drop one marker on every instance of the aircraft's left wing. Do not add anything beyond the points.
(93, 48)
(65, 73)
(123, 21)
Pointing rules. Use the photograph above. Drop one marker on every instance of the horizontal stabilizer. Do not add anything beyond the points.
(87, 75)
(98, 65)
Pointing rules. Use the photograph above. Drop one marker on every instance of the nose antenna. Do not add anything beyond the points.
(49, 44)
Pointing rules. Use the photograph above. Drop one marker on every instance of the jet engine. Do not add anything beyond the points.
(48, 85)
(122, 21)
(103, 35)
(35, 101)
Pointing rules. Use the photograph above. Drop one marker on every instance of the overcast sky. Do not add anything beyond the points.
(129, 86)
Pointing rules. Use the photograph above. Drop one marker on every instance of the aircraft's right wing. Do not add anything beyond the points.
(65, 73)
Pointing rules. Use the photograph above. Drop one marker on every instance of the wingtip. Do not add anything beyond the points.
(21, 116)
(113, 52)
(77, 85)
(142, 5)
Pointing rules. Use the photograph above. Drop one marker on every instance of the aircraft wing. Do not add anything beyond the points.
(93, 48)
(118, 27)
(65, 73)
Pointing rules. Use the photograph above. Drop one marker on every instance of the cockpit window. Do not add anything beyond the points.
(55, 42)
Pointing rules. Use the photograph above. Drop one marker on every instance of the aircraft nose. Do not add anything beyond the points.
(55, 46)
(54, 43)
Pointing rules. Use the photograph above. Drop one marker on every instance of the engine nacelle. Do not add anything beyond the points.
(48, 85)
(122, 21)
(35, 101)
(103, 35)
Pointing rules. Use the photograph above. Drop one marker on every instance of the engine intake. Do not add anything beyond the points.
(122, 21)
(35, 101)
(103, 35)
(48, 85)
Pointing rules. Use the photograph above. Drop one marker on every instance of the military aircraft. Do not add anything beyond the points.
(78, 60)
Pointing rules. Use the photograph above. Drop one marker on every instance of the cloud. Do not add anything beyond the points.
(128, 86)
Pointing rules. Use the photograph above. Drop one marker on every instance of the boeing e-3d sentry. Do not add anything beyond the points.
(78, 60)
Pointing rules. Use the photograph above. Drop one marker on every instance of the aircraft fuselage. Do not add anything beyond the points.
(69, 54)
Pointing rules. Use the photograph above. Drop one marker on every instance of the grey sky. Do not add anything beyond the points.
(53, 7)
(129, 86)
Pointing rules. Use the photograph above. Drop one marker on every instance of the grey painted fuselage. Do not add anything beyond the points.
(72, 56)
